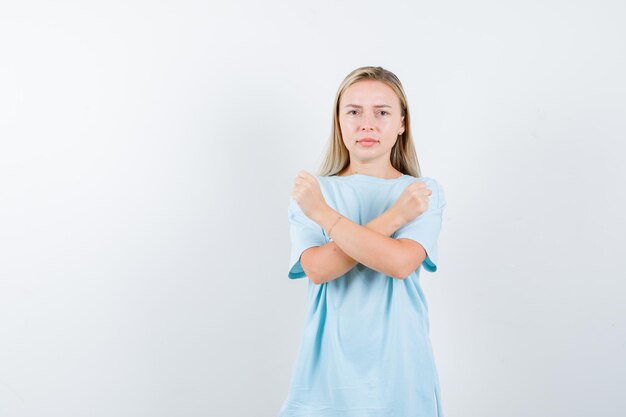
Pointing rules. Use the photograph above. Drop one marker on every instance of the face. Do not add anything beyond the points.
(370, 119)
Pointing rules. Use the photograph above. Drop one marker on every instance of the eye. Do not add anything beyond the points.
(350, 111)
(383, 111)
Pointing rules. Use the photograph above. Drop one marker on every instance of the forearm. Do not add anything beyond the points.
(329, 261)
(375, 250)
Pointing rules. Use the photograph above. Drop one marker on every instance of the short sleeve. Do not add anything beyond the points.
(425, 228)
(305, 233)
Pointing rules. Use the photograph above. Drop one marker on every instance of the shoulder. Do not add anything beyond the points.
(430, 181)
(325, 182)
(293, 206)
(323, 178)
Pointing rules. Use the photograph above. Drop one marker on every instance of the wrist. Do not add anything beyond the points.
(396, 220)
(326, 218)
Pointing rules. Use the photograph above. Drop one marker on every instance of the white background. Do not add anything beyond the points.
(147, 155)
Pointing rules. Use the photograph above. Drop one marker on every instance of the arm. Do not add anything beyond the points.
(330, 261)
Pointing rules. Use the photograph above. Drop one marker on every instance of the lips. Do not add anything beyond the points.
(367, 142)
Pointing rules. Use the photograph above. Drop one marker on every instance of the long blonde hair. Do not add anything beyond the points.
(403, 156)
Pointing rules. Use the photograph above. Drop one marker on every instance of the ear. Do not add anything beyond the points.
(401, 127)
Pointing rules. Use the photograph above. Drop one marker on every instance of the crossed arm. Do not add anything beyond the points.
(369, 244)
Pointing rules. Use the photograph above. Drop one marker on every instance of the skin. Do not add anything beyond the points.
(361, 115)
(360, 118)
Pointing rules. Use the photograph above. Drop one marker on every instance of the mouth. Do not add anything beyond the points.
(367, 142)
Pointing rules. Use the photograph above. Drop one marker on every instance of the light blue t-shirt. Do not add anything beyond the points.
(365, 349)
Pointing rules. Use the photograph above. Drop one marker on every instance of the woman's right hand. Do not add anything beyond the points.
(413, 201)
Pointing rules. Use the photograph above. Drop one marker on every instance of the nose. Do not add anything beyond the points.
(367, 123)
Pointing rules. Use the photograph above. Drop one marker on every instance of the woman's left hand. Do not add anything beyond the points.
(308, 195)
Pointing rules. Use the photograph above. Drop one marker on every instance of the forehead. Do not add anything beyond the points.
(369, 92)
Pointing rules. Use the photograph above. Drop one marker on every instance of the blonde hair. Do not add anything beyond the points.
(403, 156)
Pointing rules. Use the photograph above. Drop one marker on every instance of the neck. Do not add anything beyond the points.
(386, 173)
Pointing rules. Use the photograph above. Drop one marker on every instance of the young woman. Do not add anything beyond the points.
(360, 231)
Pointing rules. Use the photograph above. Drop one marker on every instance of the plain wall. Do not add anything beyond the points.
(147, 156)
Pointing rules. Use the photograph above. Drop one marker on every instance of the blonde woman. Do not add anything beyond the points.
(361, 231)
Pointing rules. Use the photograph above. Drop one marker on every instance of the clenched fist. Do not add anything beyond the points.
(307, 193)
(413, 201)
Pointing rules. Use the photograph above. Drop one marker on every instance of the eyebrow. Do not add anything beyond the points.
(360, 107)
